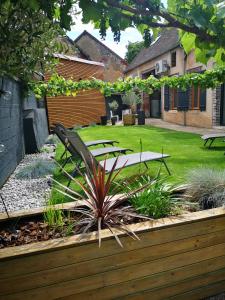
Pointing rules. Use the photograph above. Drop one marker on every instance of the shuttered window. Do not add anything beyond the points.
(198, 98)
(202, 99)
(173, 98)
(182, 100)
(166, 98)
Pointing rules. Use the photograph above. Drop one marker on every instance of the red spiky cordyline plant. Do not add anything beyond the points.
(103, 207)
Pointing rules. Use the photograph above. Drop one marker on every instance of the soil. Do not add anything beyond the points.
(34, 229)
(27, 232)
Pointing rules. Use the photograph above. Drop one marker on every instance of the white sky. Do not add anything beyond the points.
(130, 34)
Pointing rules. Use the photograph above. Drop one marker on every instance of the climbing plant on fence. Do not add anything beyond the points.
(57, 85)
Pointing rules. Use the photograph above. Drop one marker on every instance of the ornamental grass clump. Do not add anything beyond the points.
(206, 187)
(104, 206)
(37, 169)
(159, 200)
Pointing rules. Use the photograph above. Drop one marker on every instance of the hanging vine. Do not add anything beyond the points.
(57, 85)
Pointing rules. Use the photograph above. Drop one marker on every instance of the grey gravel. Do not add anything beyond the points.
(24, 194)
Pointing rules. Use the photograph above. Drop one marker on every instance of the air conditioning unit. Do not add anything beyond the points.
(161, 66)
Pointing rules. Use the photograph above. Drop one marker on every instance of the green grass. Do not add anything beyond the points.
(186, 150)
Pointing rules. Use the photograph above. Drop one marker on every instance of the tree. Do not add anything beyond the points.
(28, 34)
(200, 22)
(132, 50)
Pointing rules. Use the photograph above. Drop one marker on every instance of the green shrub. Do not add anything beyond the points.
(37, 169)
(158, 200)
(206, 187)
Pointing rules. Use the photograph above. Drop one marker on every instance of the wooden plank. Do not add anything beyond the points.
(169, 291)
(200, 293)
(38, 210)
(88, 251)
(157, 287)
(216, 217)
(198, 261)
(92, 267)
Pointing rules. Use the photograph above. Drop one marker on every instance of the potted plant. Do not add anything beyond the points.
(103, 120)
(141, 117)
(131, 99)
(113, 107)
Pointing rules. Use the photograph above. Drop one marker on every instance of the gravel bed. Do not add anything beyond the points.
(26, 193)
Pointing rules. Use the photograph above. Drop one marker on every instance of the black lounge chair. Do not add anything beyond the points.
(88, 143)
(62, 133)
(211, 138)
(130, 159)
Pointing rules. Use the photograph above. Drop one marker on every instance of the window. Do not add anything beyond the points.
(173, 59)
(174, 98)
(195, 97)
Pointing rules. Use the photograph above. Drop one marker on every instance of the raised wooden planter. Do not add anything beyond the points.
(176, 258)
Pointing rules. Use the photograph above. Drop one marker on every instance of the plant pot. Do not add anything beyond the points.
(186, 253)
(129, 119)
(103, 120)
(141, 117)
(113, 120)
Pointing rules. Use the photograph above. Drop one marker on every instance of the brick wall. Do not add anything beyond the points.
(216, 99)
(114, 65)
(86, 107)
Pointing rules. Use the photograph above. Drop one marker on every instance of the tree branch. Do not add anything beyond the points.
(171, 21)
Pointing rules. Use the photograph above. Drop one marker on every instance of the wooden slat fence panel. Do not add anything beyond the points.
(87, 106)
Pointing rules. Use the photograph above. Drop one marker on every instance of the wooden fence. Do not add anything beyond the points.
(86, 107)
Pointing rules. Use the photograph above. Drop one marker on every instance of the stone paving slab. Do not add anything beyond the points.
(163, 124)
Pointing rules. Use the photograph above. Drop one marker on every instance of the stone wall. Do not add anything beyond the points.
(96, 51)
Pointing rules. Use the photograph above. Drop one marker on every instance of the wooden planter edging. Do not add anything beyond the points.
(176, 258)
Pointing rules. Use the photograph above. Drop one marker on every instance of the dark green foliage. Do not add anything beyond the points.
(37, 169)
(201, 23)
(28, 35)
(132, 50)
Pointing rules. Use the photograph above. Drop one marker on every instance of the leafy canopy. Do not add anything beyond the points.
(201, 22)
(132, 50)
(28, 32)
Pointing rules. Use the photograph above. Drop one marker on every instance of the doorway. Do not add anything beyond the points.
(153, 102)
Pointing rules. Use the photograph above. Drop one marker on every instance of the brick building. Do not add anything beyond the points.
(195, 107)
(93, 49)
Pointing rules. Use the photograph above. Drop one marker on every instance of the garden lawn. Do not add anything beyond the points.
(186, 151)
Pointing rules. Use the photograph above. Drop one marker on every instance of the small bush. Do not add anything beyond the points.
(37, 169)
(52, 140)
(45, 149)
(206, 187)
(158, 200)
